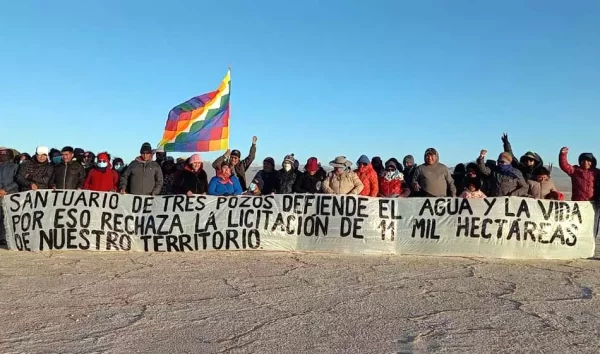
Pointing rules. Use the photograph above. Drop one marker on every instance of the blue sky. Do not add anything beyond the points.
(316, 78)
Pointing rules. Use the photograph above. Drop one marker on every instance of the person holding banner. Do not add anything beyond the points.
(36, 173)
(342, 180)
(143, 176)
(238, 167)
(507, 180)
(102, 178)
(224, 183)
(194, 179)
(68, 174)
(433, 179)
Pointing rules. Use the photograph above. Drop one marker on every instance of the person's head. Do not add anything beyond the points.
(288, 162)
(268, 164)
(168, 164)
(103, 160)
(363, 162)
(234, 157)
(472, 170)
(22, 158)
(89, 158)
(377, 163)
(504, 159)
(78, 152)
(390, 167)
(431, 156)
(225, 170)
(161, 155)
(312, 166)
(195, 162)
(296, 165)
(256, 186)
(180, 163)
(55, 156)
(118, 164)
(67, 154)
(408, 161)
(146, 152)
(41, 154)
(6, 155)
(543, 175)
(491, 163)
(460, 169)
(529, 159)
(473, 184)
(587, 161)
(340, 164)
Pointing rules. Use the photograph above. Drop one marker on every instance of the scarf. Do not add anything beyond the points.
(390, 176)
(507, 170)
(223, 179)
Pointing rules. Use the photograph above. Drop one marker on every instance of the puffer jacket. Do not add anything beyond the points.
(583, 182)
(346, 183)
(142, 178)
(305, 183)
(502, 185)
(393, 186)
(102, 180)
(68, 176)
(285, 181)
(8, 174)
(368, 177)
(33, 172)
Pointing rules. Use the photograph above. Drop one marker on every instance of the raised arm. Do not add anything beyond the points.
(563, 161)
(251, 155)
(508, 148)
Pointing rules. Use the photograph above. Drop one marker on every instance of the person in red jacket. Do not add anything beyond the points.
(102, 178)
(391, 183)
(583, 177)
(368, 177)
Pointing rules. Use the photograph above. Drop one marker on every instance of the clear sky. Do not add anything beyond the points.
(320, 78)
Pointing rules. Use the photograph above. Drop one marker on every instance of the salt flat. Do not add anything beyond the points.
(270, 302)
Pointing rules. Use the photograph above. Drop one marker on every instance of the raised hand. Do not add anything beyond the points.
(254, 140)
(227, 153)
(505, 138)
(564, 150)
(482, 153)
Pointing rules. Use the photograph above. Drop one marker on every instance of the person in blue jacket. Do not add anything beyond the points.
(224, 184)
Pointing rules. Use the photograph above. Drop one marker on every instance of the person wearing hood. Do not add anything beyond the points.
(311, 180)
(20, 158)
(102, 178)
(377, 164)
(8, 174)
(529, 165)
(583, 177)
(143, 176)
(508, 180)
(409, 170)
(169, 171)
(118, 165)
(78, 152)
(238, 166)
(36, 173)
(89, 161)
(368, 177)
(68, 174)
(224, 183)
(286, 177)
(342, 180)
(55, 157)
(161, 155)
(391, 183)
(399, 166)
(547, 188)
(268, 176)
(458, 175)
(255, 187)
(194, 179)
(433, 179)
(472, 189)
(471, 172)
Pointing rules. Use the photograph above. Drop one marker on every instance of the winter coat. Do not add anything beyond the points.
(583, 182)
(8, 174)
(305, 183)
(529, 173)
(33, 172)
(368, 177)
(102, 180)
(168, 187)
(502, 185)
(221, 187)
(196, 182)
(142, 178)
(239, 169)
(346, 183)
(269, 179)
(393, 186)
(70, 175)
(434, 180)
(285, 181)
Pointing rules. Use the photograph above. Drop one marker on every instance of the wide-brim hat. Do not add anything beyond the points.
(340, 161)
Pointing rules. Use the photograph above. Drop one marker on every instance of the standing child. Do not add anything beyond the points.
(473, 189)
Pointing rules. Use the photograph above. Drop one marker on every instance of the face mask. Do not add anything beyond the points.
(56, 160)
(118, 167)
(103, 164)
(287, 166)
(252, 186)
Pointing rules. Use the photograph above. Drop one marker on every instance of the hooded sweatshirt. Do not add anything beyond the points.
(583, 182)
(434, 180)
(409, 172)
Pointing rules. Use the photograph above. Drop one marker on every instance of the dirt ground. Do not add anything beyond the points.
(268, 302)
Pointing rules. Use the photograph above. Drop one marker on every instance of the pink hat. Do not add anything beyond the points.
(195, 158)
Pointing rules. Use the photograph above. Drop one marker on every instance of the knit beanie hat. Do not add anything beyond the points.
(312, 165)
(270, 161)
(195, 158)
(506, 157)
(103, 156)
(259, 183)
(146, 148)
(363, 159)
(289, 159)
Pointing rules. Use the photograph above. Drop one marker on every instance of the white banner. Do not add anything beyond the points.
(494, 227)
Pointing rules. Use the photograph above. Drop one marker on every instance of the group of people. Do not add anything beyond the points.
(155, 173)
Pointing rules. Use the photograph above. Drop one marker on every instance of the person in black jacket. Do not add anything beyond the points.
(268, 175)
(35, 173)
(194, 179)
(312, 179)
(68, 174)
